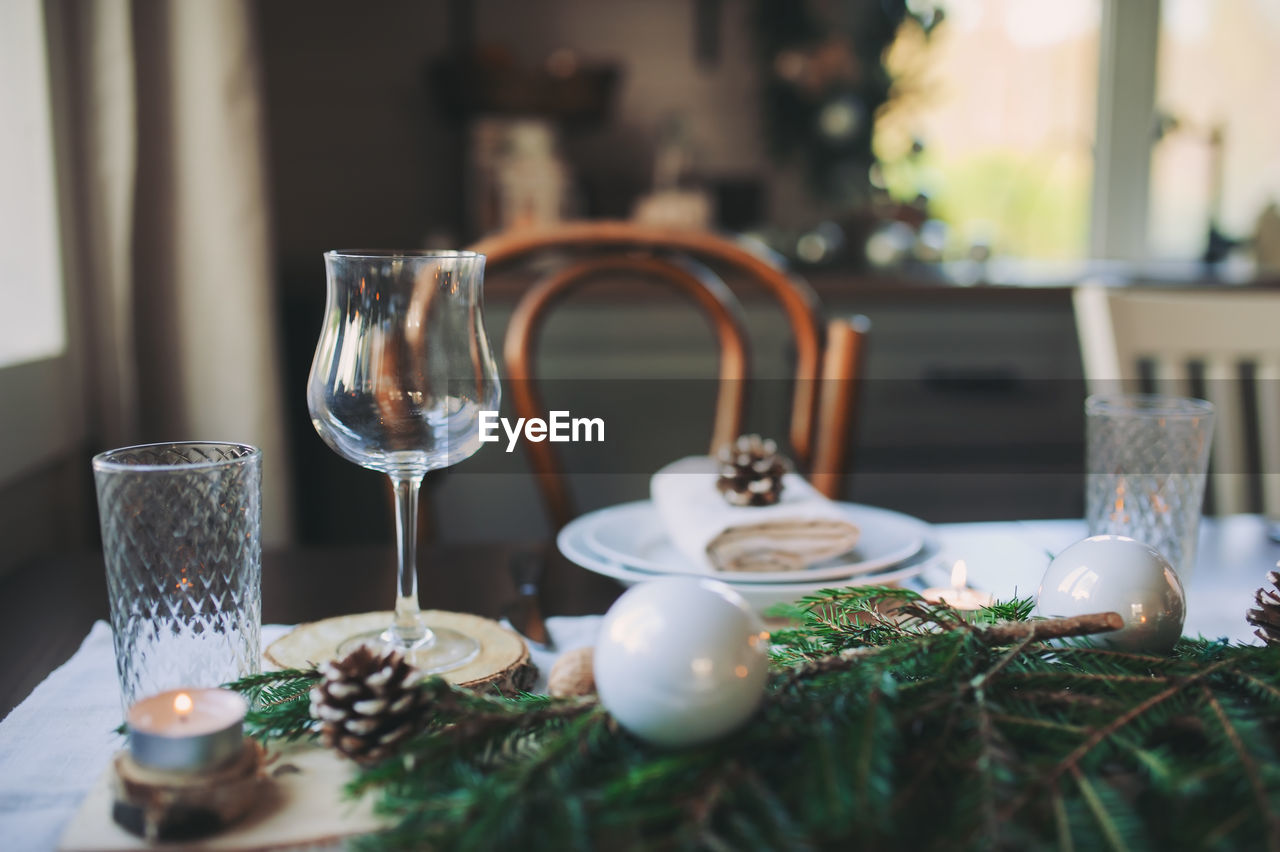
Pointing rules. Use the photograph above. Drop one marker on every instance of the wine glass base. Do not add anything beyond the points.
(442, 650)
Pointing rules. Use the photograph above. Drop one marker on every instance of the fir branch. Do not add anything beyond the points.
(1015, 609)
(1010, 719)
(880, 707)
(1223, 830)
(275, 687)
(1099, 734)
(933, 758)
(280, 705)
(1064, 696)
(1061, 822)
(275, 677)
(993, 749)
(1008, 657)
(1105, 819)
(1099, 677)
(1271, 819)
(1260, 688)
(1118, 656)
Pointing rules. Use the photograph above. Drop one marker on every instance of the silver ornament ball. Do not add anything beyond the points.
(1112, 573)
(681, 660)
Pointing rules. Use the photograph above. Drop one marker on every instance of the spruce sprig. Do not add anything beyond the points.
(279, 702)
(887, 723)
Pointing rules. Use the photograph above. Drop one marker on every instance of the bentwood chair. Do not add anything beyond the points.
(1222, 345)
(827, 357)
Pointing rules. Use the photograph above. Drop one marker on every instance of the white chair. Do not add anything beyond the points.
(1221, 331)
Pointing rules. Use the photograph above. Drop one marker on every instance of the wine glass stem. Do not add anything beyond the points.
(408, 628)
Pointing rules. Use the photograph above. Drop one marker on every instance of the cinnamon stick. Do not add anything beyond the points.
(1053, 628)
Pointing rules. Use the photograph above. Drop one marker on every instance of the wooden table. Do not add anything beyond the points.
(49, 604)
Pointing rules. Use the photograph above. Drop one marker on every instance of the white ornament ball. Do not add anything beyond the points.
(1112, 573)
(681, 660)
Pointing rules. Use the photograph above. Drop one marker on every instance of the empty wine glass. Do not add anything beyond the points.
(401, 373)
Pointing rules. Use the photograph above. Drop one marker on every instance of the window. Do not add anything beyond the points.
(1000, 106)
(40, 413)
(1218, 156)
(997, 124)
(31, 324)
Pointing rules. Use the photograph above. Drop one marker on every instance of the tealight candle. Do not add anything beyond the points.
(187, 730)
(959, 595)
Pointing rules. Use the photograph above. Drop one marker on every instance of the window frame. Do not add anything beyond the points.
(43, 418)
(1125, 130)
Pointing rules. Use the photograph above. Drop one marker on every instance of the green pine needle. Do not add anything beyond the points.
(887, 722)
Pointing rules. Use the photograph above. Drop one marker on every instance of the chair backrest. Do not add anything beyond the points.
(1170, 341)
(837, 402)
(684, 260)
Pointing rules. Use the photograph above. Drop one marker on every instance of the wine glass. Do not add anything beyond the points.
(401, 373)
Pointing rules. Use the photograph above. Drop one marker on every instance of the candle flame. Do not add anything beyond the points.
(182, 704)
(959, 574)
(1118, 513)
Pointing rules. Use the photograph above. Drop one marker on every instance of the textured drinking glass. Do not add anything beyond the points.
(401, 373)
(1147, 457)
(181, 535)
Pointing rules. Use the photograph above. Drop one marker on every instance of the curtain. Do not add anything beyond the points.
(172, 226)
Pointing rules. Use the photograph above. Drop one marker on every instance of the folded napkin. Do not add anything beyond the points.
(802, 529)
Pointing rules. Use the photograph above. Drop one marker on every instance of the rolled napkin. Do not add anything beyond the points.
(800, 530)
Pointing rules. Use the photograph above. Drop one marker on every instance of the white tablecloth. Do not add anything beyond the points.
(55, 744)
(1234, 557)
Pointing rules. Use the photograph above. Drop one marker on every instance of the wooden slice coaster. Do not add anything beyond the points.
(503, 661)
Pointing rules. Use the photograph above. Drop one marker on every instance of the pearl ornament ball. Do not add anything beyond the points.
(681, 660)
(1112, 573)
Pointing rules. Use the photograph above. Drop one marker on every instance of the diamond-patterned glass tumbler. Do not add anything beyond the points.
(1147, 457)
(181, 534)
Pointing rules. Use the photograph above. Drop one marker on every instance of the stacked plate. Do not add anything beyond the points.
(630, 544)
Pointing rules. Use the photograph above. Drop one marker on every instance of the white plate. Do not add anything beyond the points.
(633, 535)
(761, 596)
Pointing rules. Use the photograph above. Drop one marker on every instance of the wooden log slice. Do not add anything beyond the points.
(503, 661)
(165, 805)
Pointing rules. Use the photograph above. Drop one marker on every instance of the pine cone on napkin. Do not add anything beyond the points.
(751, 472)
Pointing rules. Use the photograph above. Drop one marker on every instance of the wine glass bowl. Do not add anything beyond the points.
(401, 372)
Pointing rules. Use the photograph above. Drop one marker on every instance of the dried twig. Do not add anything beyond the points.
(1053, 628)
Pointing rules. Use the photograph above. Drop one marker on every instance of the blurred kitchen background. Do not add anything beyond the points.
(949, 168)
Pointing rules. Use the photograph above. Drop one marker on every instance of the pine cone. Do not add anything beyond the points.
(1266, 616)
(369, 703)
(751, 472)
